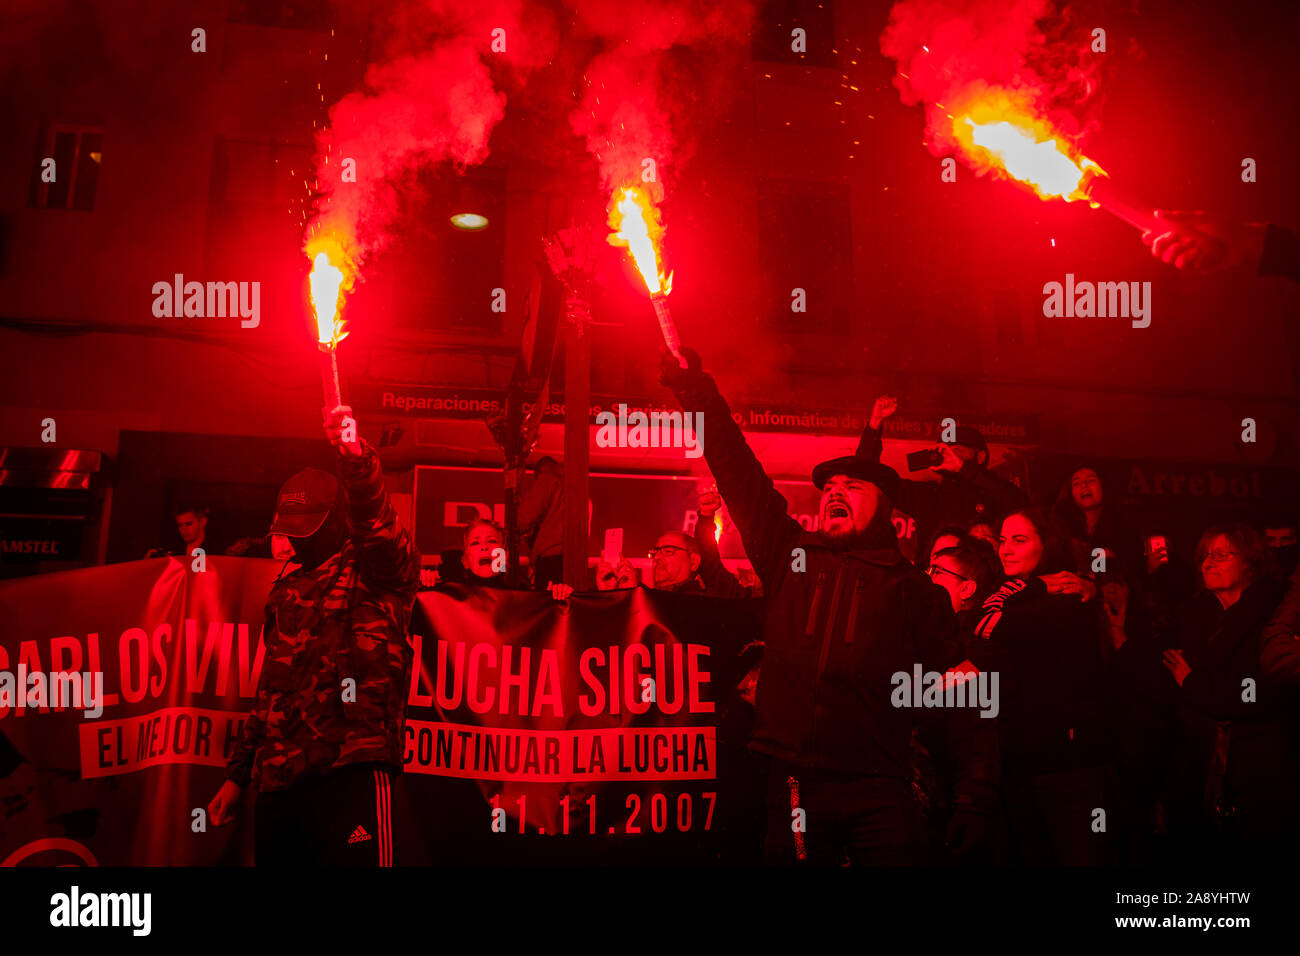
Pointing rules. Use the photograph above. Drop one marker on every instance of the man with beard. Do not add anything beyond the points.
(845, 612)
(325, 736)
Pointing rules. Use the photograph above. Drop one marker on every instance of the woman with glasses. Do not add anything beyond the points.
(1235, 786)
(1047, 650)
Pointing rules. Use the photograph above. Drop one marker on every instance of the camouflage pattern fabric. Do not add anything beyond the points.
(348, 619)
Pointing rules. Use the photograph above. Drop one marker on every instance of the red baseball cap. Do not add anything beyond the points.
(304, 503)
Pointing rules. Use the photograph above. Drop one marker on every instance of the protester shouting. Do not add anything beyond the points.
(845, 612)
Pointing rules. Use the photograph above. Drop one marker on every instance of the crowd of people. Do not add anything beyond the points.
(1149, 706)
(1149, 703)
(1145, 704)
(1141, 706)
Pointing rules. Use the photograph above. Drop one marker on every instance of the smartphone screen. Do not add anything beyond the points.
(613, 546)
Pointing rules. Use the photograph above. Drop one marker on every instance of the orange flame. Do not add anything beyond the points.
(331, 277)
(717, 527)
(999, 132)
(636, 225)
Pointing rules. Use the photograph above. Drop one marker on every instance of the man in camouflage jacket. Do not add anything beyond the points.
(325, 735)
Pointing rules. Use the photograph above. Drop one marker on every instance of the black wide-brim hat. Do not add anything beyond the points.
(855, 466)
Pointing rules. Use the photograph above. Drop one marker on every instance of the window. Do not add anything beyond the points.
(804, 242)
(77, 152)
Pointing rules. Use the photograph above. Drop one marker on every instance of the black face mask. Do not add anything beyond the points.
(1287, 556)
(325, 542)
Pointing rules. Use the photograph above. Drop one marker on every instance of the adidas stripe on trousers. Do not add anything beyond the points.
(354, 816)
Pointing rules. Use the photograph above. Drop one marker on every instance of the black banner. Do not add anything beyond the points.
(607, 728)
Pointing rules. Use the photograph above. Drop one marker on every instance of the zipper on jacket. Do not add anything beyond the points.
(830, 625)
(810, 630)
(853, 611)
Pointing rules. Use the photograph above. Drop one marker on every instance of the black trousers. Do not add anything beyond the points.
(871, 821)
(356, 816)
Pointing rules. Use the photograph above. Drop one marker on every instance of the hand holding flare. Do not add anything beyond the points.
(341, 430)
(636, 225)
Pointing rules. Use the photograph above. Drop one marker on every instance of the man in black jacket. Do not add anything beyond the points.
(845, 614)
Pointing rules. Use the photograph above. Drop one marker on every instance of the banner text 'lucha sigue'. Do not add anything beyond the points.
(529, 684)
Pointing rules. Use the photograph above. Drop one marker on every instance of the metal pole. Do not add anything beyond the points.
(577, 459)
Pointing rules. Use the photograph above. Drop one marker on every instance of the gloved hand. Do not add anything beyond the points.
(673, 375)
(969, 833)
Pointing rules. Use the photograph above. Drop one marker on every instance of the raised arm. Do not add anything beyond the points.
(718, 581)
(386, 555)
(757, 508)
(871, 443)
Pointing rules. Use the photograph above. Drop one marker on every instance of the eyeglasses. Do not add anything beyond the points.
(935, 568)
(668, 550)
(1218, 557)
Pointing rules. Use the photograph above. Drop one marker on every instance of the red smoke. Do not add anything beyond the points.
(624, 116)
(948, 50)
(412, 112)
(432, 99)
(621, 121)
(441, 90)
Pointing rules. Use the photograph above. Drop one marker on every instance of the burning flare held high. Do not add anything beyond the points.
(1010, 87)
(997, 133)
(331, 277)
(636, 225)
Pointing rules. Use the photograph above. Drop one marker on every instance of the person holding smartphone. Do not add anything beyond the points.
(967, 491)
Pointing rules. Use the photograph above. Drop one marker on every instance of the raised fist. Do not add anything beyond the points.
(341, 430)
